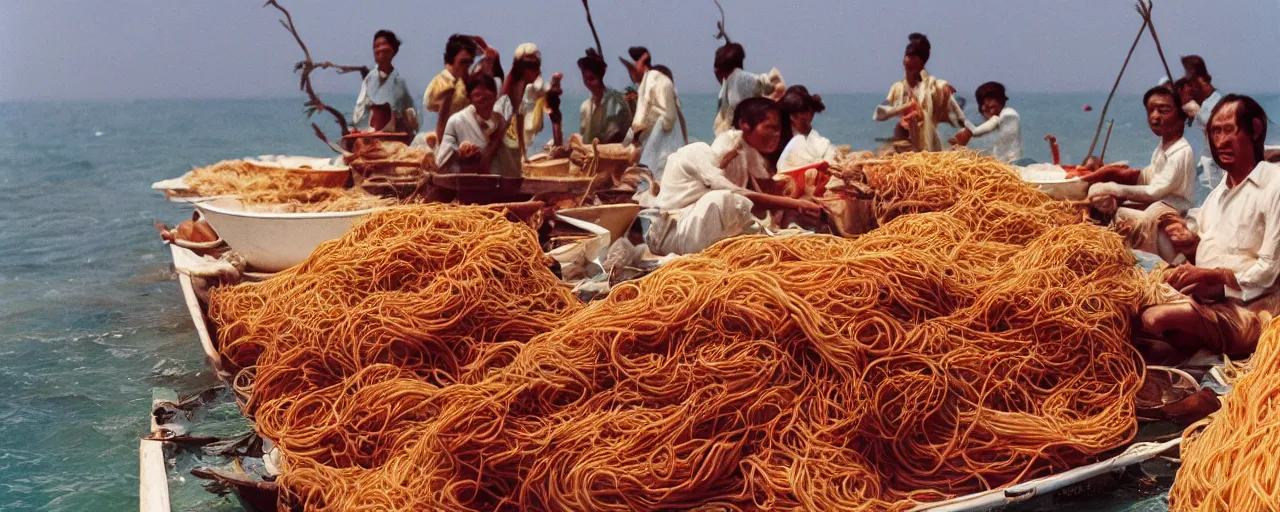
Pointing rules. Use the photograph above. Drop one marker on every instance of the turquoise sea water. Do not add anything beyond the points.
(91, 318)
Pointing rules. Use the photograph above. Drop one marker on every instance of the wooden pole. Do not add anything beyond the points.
(593, 28)
(1106, 140)
(1097, 133)
(1144, 9)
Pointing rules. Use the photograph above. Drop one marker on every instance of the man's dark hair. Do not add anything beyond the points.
(390, 37)
(637, 52)
(753, 111)
(729, 57)
(1248, 111)
(798, 99)
(1165, 90)
(918, 45)
(1194, 65)
(477, 81)
(593, 62)
(457, 44)
(666, 71)
(1181, 83)
(990, 90)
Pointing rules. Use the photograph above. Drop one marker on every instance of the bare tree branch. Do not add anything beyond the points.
(720, 25)
(305, 67)
(592, 24)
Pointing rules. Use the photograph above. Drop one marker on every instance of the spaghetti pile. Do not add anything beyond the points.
(312, 200)
(1231, 464)
(235, 177)
(413, 288)
(979, 337)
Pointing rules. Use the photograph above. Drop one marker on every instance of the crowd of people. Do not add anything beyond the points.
(1226, 250)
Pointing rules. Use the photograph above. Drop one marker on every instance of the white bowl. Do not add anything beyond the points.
(272, 242)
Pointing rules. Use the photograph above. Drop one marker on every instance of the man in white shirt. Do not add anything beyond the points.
(1001, 121)
(1203, 98)
(737, 85)
(656, 113)
(473, 135)
(1229, 290)
(605, 115)
(708, 193)
(1162, 189)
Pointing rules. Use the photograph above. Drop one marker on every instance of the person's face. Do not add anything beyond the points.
(483, 99)
(1162, 115)
(533, 71)
(802, 122)
(1230, 144)
(912, 64)
(764, 137)
(592, 81)
(382, 52)
(1201, 89)
(461, 63)
(991, 107)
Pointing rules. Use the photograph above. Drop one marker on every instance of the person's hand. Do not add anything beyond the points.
(556, 77)
(431, 140)
(1192, 109)
(1183, 240)
(962, 137)
(810, 208)
(1201, 283)
(1104, 203)
(480, 42)
(468, 150)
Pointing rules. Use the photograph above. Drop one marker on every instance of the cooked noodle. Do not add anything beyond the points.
(427, 361)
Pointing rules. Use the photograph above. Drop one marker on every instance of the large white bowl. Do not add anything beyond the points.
(1053, 180)
(272, 242)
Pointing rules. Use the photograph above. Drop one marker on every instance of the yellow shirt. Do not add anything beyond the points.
(433, 99)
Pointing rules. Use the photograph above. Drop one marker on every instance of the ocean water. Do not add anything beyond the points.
(91, 318)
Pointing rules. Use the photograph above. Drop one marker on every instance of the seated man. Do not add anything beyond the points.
(471, 136)
(707, 193)
(1001, 120)
(1233, 242)
(1160, 190)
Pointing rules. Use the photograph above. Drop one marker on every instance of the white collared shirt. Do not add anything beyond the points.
(1170, 178)
(1239, 229)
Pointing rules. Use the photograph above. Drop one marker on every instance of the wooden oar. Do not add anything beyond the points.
(1103, 117)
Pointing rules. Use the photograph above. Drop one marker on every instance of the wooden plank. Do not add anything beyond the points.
(153, 483)
(193, 308)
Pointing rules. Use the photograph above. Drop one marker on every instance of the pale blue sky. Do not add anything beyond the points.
(63, 49)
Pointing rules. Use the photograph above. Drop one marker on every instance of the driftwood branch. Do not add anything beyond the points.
(1144, 10)
(720, 25)
(1102, 118)
(592, 24)
(305, 67)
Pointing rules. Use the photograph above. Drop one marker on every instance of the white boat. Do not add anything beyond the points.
(272, 242)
